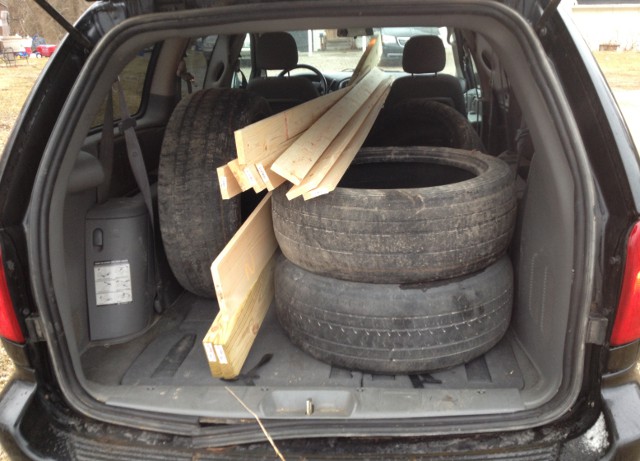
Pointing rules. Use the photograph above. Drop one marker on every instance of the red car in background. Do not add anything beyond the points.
(45, 50)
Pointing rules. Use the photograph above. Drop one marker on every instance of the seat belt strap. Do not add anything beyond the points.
(106, 151)
(136, 161)
(134, 152)
(185, 75)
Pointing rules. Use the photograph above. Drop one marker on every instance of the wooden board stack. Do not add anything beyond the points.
(311, 145)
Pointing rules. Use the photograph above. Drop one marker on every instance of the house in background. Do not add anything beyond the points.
(9, 42)
(608, 24)
(4, 20)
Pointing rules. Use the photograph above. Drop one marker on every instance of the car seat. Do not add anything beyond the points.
(278, 51)
(424, 57)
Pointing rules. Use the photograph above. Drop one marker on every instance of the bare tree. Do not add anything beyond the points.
(27, 18)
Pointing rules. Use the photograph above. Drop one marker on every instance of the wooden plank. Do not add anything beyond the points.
(271, 179)
(337, 146)
(230, 337)
(369, 59)
(258, 140)
(228, 173)
(331, 180)
(243, 278)
(254, 177)
(227, 177)
(238, 173)
(297, 160)
(263, 168)
(238, 266)
(227, 181)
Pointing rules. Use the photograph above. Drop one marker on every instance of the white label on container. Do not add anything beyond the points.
(263, 173)
(113, 282)
(221, 354)
(223, 182)
(250, 177)
(211, 356)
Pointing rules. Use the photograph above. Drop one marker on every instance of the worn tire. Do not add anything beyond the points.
(422, 122)
(392, 328)
(402, 215)
(194, 220)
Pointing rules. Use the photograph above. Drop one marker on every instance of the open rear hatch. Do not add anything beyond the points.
(151, 365)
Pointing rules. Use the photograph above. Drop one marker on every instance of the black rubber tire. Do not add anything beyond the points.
(392, 328)
(194, 220)
(396, 230)
(421, 122)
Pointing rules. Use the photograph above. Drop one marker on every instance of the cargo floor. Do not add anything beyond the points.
(170, 353)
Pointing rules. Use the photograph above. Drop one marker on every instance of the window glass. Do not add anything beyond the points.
(394, 39)
(243, 70)
(245, 57)
(132, 79)
(326, 51)
(330, 52)
(193, 68)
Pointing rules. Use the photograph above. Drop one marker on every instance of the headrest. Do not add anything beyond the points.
(276, 50)
(423, 54)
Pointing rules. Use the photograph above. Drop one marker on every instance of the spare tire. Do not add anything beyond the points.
(393, 328)
(194, 220)
(402, 215)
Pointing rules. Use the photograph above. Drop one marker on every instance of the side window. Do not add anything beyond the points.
(244, 65)
(193, 69)
(245, 56)
(132, 79)
(473, 96)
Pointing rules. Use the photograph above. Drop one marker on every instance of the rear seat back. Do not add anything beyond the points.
(424, 57)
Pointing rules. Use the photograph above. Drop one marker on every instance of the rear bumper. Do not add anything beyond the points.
(621, 405)
(33, 428)
(14, 401)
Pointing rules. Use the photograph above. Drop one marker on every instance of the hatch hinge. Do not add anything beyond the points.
(35, 328)
(551, 7)
(597, 330)
(74, 33)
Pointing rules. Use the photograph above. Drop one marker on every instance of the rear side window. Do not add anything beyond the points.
(193, 70)
(132, 79)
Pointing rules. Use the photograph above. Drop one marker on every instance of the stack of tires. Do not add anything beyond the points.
(402, 269)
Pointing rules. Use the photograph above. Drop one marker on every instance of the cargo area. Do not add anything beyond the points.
(164, 367)
(169, 359)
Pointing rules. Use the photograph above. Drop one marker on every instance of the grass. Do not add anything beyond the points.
(622, 69)
(15, 84)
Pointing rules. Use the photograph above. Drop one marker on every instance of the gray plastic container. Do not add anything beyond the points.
(119, 268)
